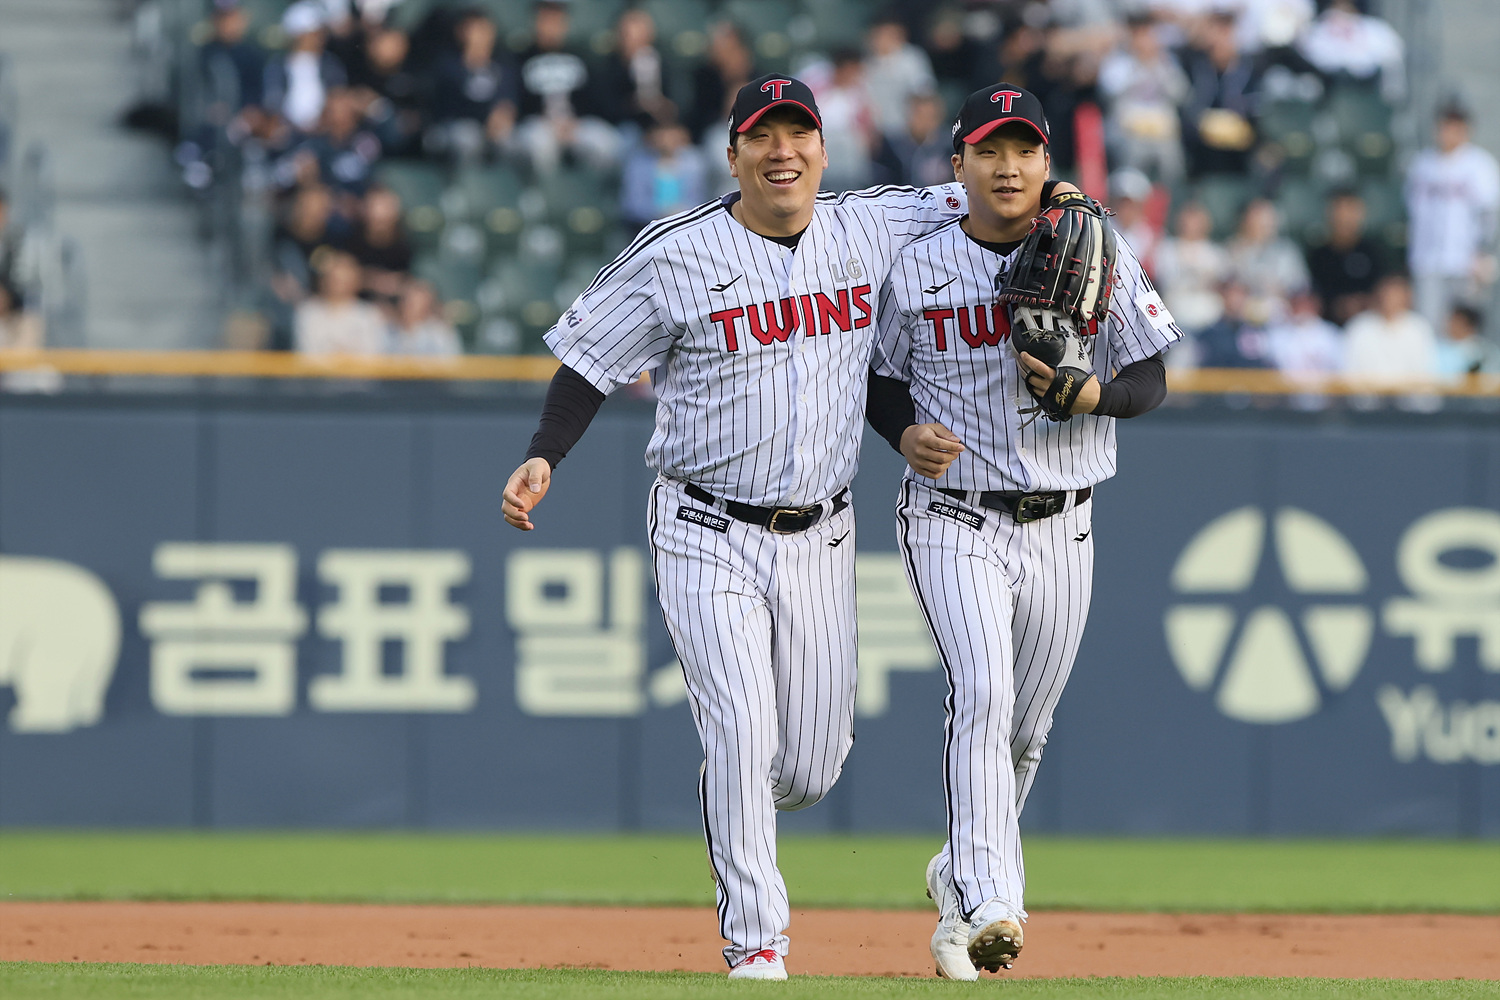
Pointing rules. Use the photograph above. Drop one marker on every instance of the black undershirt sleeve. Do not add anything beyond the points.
(1137, 388)
(571, 404)
(889, 408)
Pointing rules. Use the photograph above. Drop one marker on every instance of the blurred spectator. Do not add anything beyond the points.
(340, 154)
(336, 321)
(298, 81)
(389, 92)
(1235, 341)
(1144, 87)
(665, 174)
(20, 329)
(630, 78)
(380, 245)
(1190, 267)
(1452, 200)
(1465, 350)
(1217, 116)
(729, 66)
(310, 225)
(894, 70)
(1390, 343)
(1269, 264)
(559, 101)
(244, 60)
(1129, 191)
(419, 328)
(849, 131)
(474, 92)
(1343, 42)
(1304, 344)
(921, 153)
(958, 53)
(1345, 269)
(19, 263)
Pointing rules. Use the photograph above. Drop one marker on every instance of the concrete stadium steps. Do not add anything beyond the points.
(150, 282)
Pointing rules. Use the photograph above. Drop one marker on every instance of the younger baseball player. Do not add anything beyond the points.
(754, 315)
(1000, 556)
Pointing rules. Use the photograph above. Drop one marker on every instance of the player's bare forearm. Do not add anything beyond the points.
(523, 491)
(929, 449)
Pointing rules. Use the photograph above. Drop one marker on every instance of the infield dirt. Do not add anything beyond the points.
(828, 942)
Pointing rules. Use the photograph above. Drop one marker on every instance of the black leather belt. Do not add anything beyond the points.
(781, 520)
(1023, 507)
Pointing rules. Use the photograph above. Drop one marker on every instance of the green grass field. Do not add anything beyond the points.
(35, 981)
(1179, 875)
(1175, 875)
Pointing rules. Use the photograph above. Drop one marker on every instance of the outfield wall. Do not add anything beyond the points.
(222, 610)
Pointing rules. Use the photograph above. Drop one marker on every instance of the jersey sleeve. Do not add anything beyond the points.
(614, 330)
(1140, 325)
(891, 354)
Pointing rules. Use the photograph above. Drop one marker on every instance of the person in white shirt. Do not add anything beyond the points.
(1304, 346)
(1144, 86)
(1190, 267)
(1342, 41)
(895, 69)
(1452, 199)
(1391, 344)
(336, 321)
(1269, 264)
(419, 327)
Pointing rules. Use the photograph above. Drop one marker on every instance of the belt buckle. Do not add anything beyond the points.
(809, 511)
(776, 514)
(1036, 506)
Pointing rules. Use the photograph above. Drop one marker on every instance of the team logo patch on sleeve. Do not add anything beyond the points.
(1154, 309)
(710, 520)
(958, 514)
(576, 316)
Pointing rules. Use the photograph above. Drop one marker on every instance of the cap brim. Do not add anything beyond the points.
(978, 134)
(748, 122)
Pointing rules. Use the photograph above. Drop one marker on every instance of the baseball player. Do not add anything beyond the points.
(755, 316)
(1000, 555)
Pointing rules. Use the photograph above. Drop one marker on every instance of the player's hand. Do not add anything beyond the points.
(1039, 378)
(525, 490)
(930, 449)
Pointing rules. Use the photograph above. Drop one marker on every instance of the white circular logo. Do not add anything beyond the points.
(1268, 664)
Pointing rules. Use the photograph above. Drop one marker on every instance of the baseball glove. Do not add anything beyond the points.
(1060, 283)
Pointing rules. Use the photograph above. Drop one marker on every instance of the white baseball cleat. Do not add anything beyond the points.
(764, 964)
(995, 936)
(950, 942)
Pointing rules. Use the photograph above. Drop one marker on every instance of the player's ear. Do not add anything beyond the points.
(958, 168)
(1047, 165)
(734, 168)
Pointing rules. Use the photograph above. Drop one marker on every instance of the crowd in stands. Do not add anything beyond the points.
(1244, 146)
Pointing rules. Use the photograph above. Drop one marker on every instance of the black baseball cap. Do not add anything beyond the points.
(766, 92)
(988, 109)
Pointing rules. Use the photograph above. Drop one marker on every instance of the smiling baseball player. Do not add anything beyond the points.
(1000, 555)
(755, 316)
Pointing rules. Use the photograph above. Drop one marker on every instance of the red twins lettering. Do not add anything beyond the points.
(979, 326)
(1003, 98)
(774, 322)
(773, 87)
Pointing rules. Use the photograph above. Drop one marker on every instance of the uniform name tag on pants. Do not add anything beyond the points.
(706, 518)
(958, 514)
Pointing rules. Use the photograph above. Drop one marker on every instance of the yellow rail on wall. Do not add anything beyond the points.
(280, 364)
(534, 368)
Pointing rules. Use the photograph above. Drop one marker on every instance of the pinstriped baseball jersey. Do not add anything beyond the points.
(758, 353)
(941, 330)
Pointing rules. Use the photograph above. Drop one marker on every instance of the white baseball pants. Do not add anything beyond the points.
(1006, 603)
(764, 626)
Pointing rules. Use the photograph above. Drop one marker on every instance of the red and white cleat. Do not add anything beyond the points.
(762, 965)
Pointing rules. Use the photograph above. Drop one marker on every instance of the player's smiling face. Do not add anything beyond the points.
(779, 162)
(1003, 174)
